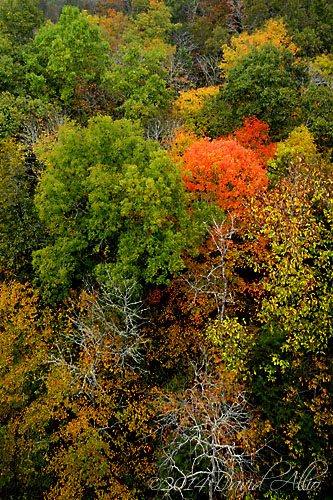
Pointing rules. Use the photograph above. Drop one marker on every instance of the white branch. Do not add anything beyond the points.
(108, 329)
(214, 282)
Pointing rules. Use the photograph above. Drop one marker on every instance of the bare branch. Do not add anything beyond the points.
(107, 330)
(162, 131)
(214, 282)
(205, 439)
(32, 129)
(209, 66)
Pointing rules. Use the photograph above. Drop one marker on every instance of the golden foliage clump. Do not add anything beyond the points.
(188, 107)
(274, 32)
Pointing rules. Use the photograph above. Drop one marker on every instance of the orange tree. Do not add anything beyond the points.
(25, 334)
(222, 171)
(254, 134)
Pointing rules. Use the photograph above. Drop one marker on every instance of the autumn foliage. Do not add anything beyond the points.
(165, 249)
(255, 135)
(188, 107)
(223, 171)
(112, 25)
(274, 33)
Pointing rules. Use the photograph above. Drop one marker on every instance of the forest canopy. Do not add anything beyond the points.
(165, 249)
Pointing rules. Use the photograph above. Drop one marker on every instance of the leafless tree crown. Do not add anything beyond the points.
(107, 330)
(205, 444)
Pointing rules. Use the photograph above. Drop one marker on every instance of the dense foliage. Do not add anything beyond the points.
(165, 249)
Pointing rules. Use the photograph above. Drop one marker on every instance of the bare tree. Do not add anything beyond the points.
(236, 20)
(182, 67)
(162, 130)
(183, 39)
(205, 439)
(32, 129)
(317, 78)
(106, 330)
(209, 67)
(192, 9)
(179, 73)
(214, 282)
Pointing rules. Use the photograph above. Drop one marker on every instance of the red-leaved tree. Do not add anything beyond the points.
(255, 135)
(222, 171)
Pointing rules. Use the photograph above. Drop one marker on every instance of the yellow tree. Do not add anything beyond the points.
(188, 107)
(300, 143)
(290, 363)
(274, 33)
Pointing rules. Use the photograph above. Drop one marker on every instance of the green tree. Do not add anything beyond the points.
(138, 80)
(11, 66)
(20, 229)
(154, 23)
(317, 112)
(139, 71)
(108, 196)
(66, 54)
(265, 83)
(20, 19)
(309, 21)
